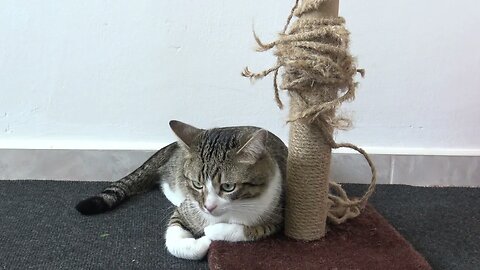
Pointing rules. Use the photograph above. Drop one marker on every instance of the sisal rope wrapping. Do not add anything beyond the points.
(318, 74)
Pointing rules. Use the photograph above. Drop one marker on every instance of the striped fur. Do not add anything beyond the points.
(230, 180)
(142, 179)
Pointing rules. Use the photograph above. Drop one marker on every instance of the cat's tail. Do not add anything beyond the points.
(142, 179)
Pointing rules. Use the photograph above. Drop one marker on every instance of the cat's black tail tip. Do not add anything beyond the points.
(93, 205)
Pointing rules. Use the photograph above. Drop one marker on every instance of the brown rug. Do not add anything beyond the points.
(367, 242)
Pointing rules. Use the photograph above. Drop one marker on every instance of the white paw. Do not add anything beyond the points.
(225, 232)
(180, 243)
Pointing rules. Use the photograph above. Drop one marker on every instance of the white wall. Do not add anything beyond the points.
(111, 74)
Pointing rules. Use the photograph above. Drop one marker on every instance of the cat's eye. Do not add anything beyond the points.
(197, 184)
(228, 187)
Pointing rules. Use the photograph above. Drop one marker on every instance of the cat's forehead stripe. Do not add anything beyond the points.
(213, 149)
(209, 173)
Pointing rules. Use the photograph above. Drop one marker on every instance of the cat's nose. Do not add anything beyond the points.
(210, 208)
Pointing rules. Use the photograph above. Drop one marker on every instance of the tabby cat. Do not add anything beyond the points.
(227, 184)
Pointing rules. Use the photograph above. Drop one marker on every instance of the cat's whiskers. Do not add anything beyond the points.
(251, 213)
(252, 210)
(169, 209)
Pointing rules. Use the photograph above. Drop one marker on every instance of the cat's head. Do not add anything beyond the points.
(227, 170)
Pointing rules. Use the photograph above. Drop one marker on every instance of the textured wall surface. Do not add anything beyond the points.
(110, 74)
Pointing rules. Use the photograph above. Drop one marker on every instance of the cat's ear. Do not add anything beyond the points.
(254, 148)
(185, 133)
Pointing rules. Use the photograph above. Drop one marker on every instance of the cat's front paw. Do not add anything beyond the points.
(190, 248)
(180, 243)
(225, 232)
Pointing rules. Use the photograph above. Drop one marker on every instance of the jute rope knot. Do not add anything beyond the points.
(318, 72)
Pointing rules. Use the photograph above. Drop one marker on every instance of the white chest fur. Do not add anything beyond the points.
(174, 196)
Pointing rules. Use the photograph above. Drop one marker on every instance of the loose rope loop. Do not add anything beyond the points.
(314, 57)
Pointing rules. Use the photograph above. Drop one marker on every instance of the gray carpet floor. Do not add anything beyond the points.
(40, 229)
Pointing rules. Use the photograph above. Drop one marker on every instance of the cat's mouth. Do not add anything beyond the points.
(215, 213)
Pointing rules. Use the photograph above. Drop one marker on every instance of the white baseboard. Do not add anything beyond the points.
(146, 146)
(434, 168)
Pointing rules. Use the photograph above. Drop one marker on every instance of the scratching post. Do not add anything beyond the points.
(309, 154)
(318, 73)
